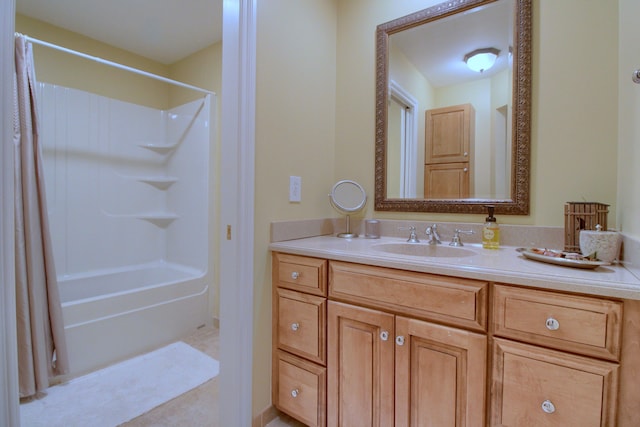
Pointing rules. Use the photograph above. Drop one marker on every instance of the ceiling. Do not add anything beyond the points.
(165, 31)
(437, 49)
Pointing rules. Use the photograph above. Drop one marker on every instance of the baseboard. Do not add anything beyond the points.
(265, 417)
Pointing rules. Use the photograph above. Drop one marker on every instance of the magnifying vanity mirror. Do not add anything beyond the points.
(450, 138)
(348, 197)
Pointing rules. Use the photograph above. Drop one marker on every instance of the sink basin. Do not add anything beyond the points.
(424, 250)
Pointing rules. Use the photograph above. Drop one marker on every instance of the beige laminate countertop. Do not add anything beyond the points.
(504, 265)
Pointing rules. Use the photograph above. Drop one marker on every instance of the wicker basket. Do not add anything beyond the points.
(582, 216)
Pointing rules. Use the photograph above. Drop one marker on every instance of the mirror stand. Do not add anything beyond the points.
(347, 197)
(348, 234)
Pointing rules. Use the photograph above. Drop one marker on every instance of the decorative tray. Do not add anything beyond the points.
(567, 259)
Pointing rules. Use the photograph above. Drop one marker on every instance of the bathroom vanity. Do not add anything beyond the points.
(370, 332)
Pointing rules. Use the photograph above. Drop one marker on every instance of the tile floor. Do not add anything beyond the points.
(197, 407)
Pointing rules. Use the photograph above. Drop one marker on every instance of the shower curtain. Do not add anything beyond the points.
(42, 351)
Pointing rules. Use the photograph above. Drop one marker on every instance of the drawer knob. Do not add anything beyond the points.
(548, 407)
(295, 392)
(400, 340)
(384, 335)
(552, 324)
(295, 326)
(295, 275)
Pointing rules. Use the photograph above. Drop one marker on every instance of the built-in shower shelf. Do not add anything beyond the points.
(158, 148)
(159, 219)
(160, 182)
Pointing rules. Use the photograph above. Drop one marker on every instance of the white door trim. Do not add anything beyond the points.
(409, 142)
(9, 401)
(237, 206)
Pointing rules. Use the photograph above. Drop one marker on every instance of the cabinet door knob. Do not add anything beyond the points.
(548, 407)
(465, 170)
(295, 275)
(400, 340)
(384, 335)
(295, 392)
(295, 326)
(466, 154)
(552, 324)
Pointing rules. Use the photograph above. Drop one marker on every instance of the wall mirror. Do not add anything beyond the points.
(448, 138)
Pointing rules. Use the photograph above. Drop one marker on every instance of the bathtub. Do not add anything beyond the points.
(113, 315)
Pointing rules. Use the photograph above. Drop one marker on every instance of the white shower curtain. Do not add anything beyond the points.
(42, 350)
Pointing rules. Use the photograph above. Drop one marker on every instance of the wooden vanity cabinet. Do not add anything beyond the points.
(385, 368)
(359, 345)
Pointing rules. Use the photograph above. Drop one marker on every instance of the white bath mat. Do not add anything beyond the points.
(119, 393)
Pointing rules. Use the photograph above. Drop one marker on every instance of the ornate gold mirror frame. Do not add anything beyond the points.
(518, 204)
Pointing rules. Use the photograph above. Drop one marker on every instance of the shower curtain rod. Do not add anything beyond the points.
(116, 65)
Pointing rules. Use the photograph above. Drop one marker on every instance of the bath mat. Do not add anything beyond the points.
(119, 393)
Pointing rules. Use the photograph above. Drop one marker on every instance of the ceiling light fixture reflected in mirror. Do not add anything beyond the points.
(481, 59)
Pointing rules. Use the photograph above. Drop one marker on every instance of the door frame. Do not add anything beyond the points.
(9, 398)
(237, 209)
(409, 143)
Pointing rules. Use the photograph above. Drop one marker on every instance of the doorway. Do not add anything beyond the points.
(238, 112)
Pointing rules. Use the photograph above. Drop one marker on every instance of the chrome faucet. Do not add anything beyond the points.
(434, 237)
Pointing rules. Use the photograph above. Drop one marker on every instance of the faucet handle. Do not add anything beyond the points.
(413, 237)
(455, 240)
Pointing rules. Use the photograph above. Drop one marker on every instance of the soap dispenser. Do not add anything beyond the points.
(491, 231)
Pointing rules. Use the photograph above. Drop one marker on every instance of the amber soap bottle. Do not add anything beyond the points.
(491, 231)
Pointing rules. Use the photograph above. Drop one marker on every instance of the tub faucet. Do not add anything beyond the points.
(434, 237)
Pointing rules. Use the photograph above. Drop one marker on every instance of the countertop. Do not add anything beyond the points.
(504, 265)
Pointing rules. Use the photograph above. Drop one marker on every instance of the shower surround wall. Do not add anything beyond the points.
(127, 191)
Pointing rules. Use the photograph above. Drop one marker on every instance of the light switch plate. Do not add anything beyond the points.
(295, 189)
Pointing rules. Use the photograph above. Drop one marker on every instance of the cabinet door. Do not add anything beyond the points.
(440, 375)
(359, 366)
(537, 387)
(449, 134)
(447, 181)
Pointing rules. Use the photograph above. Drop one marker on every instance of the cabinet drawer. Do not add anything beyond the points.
(536, 387)
(302, 324)
(585, 325)
(301, 273)
(301, 389)
(455, 301)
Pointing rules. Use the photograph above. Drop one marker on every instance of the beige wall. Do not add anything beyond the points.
(574, 127)
(295, 128)
(61, 68)
(575, 113)
(574, 118)
(405, 74)
(629, 126)
(202, 69)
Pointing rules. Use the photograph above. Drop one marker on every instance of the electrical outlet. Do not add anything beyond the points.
(295, 189)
